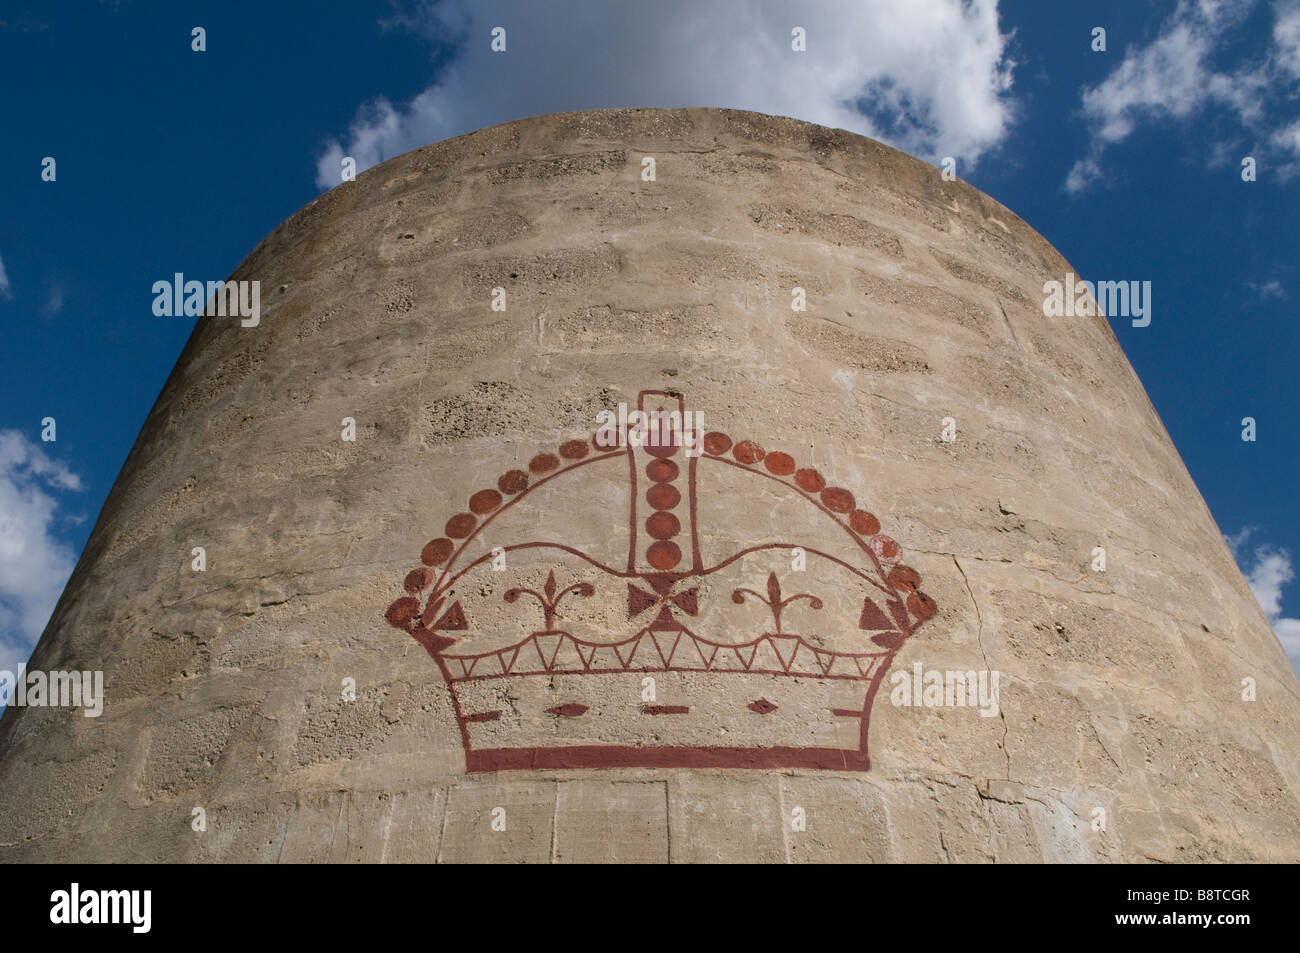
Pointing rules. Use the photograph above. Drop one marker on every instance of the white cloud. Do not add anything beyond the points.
(1270, 570)
(1288, 631)
(931, 78)
(1288, 137)
(1174, 79)
(5, 291)
(34, 564)
(1286, 36)
(53, 303)
(19, 453)
(1082, 174)
(1268, 289)
(1236, 542)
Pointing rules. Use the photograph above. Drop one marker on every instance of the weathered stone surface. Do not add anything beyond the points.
(1120, 733)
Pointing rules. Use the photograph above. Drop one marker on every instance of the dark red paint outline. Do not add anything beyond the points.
(909, 608)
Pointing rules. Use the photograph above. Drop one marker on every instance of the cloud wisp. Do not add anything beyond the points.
(1268, 571)
(34, 563)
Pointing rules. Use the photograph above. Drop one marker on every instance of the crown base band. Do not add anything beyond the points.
(620, 756)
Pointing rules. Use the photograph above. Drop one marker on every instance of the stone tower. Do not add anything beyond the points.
(900, 570)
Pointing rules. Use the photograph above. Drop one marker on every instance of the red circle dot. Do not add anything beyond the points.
(574, 449)
(665, 450)
(663, 526)
(837, 500)
(663, 555)
(782, 464)
(436, 552)
(402, 612)
(512, 482)
(484, 501)
(460, 525)
(716, 443)
(921, 605)
(904, 577)
(663, 496)
(810, 481)
(661, 471)
(543, 463)
(884, 547)
(747, 452)
(863, 522)
(416, 579)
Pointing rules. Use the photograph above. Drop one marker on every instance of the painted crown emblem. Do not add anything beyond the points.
(693, 602)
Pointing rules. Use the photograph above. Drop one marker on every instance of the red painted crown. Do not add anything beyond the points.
(581, 618)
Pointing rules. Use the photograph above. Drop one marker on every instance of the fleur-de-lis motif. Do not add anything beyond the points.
(548, 599)
(774, 600)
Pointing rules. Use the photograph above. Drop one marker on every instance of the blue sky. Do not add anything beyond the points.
(167, 159)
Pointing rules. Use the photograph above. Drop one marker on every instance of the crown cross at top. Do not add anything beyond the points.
(663, 547)
(663, 495)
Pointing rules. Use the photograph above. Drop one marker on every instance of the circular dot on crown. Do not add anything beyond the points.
(437, 551)
(663, 525)
(884, 547)
(663, 496)
(779, 464)
(512, 482)
(574, 449)
(837, 499)
(661, 451)
(808, 480)
(921, 605)
(864, 523)
(417, 579)
(904, 577)
(403, 612)
(661, 471)
(543, 463)
(484, 501)
(716, 443)
(460, 525)
(663, 555)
